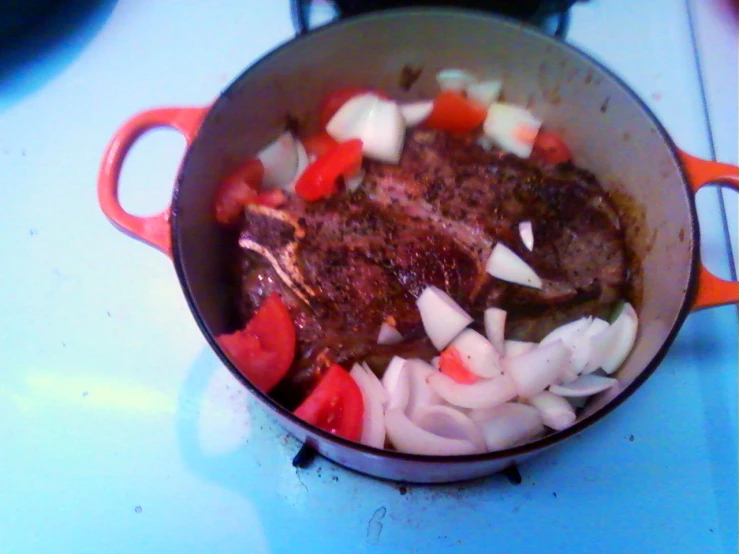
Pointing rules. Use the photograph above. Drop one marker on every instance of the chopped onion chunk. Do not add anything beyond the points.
(408, 437)
(483, 394)
(388, 335)
(508, 425)
(508, 266)
(585, 385)
(556, 412)
(377, 122)
(526, 230)
(443, 319)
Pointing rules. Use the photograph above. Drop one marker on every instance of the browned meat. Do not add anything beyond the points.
(347, 264)
(480, 197)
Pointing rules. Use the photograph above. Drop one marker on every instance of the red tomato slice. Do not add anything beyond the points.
(264, 350)
(550, 148)
(237, 190)
(319, 180)
(335, 405)
(455, 113)
(338, 98)
(451, 364)
(319, 143)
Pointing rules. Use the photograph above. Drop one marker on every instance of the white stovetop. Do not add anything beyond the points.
(122, 432)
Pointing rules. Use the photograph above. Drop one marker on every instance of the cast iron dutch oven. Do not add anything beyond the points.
(610, 131)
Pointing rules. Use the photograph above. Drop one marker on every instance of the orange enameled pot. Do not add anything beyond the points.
(610, 131)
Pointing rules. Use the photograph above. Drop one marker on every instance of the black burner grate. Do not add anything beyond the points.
(551, 15)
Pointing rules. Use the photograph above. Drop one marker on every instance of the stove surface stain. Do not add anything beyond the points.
(374, 527)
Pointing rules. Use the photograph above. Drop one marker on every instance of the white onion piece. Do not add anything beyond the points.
(416, 112)
(568, 332)
(526, 230)
(455, 79)
(396, 383)
(377, 122)
(508, 425)
(420, 393)
(449, 423)
(442, 317)
(556, 413)
(536, 370)
(581, 350)
(495, 328)
(408, 437)
(483, 394)
(356, 368)
(582, 346)
(383, 140)
(280, 160)
(568, 375)
(597, 327)
(373, 418)
(572, 334)
(506, 265)
(512, 127)
(303, 162)
(355, 181)
(585, 385)
(515, 348)
(377, 386)
(477, 353)
(388, 335)
(351, 119)
(611, 347)
(484, 92)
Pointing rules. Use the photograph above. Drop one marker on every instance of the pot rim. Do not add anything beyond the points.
(539, 444)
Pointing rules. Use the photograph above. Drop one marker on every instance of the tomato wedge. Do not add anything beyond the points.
(242, 188)
(335, 405)
(452, 365)
(264, 350)
(455, 113)
(334, 100)
(320, 178)
(237, 190)
(550, 148)
(318, 143)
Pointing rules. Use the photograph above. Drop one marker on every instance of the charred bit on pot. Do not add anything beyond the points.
(292, 124)
(408, 77)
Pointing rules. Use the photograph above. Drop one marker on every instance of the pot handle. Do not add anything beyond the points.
(153, 230)
(712, 291)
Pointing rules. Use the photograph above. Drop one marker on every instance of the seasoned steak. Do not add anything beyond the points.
(480, 197)
(348, 264)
